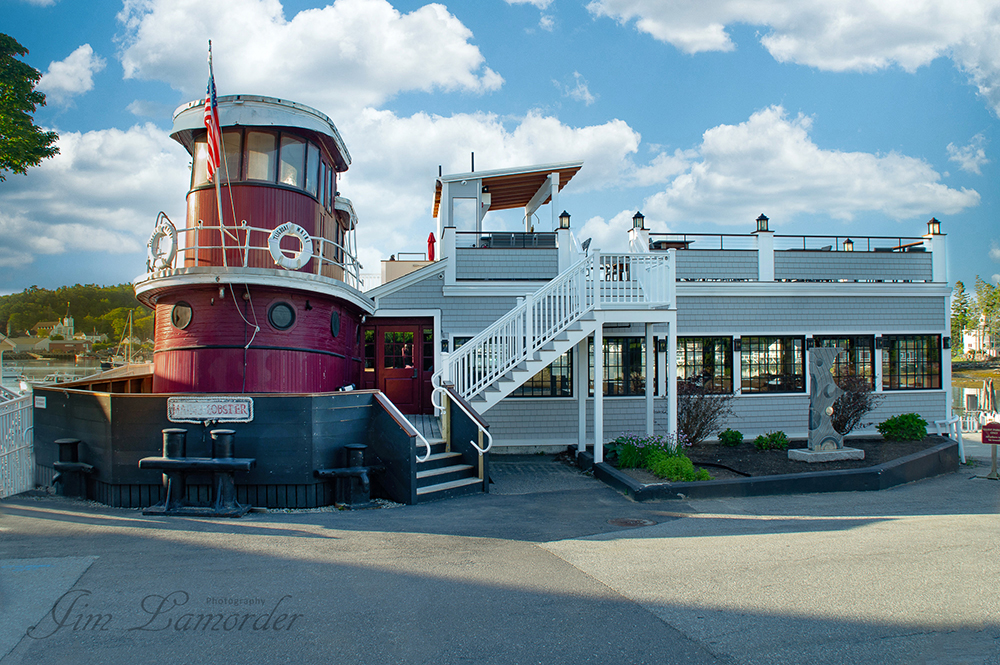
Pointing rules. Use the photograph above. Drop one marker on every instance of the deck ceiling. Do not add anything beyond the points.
(512, 188)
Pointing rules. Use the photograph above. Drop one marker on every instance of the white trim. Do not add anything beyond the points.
(811, 289)
(492, 289)
(418, 275)
(520, 170)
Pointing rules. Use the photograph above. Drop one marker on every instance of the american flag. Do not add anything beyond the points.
(212, 124)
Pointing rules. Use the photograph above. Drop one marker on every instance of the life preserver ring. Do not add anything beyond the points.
(158, 257)
(301, 257)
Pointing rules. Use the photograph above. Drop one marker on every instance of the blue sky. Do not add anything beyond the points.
(864, 120)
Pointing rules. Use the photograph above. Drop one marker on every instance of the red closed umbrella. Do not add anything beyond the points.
(430, 246)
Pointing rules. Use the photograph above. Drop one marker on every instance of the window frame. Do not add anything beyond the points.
(787, 383)
(694, 372)
(891, 379)
(630, 354)
(847, 364)
(548, 383)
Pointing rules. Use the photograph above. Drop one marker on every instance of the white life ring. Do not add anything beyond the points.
(301, 257)
(159, 258)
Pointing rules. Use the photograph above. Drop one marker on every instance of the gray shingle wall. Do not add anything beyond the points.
(716, 264)
(531, 421)
(773, 314)
(425, 294)
(881, 266)
(506, 264)
(461, 315)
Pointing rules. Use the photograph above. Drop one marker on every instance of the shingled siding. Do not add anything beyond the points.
(425, 294)
(459, 315)
(864, 266)
(773, 314)
(717, 264)
(532, 421)
(506, 264)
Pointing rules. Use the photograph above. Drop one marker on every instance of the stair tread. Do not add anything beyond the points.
(443, 470)
(439, 456)
(462, 482)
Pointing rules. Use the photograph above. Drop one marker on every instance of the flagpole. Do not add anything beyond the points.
(217, 178)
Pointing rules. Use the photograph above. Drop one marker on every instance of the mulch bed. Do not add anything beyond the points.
(745, 460)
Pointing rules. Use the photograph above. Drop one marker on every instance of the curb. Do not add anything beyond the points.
(935, 461)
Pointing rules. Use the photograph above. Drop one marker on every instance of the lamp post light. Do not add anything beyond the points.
(762, 222)
(638, 221)
(564, 220)
(934, 227)
(848, 245)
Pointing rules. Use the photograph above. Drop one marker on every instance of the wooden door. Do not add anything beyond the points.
(398, 367)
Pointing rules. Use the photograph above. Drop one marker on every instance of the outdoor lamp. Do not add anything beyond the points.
(637, 220)
(444, 345)
(564, 220)
(848, 245)
(762, 222)
(934, 227)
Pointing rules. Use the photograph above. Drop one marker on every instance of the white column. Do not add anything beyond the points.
(765, 255)
(672, 377)
(650, 358)
(580, 379)
(447, 248)
(599, 393)
(879, 357)
(937, 245)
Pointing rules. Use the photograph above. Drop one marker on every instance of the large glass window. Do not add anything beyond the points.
(261, 155)
(556, 380)
(312, 170)
(772, 365)
(232, 146)
(397, 352)
(293, 159)
(199, 171)
(624, 366)
(857, 359)
(706, 362)
(911, 362)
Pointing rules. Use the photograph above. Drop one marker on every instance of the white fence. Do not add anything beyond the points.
(17, 459)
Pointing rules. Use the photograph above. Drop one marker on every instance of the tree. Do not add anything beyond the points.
(700, 413)
(961, 316)
(855, 402)
(22, 144)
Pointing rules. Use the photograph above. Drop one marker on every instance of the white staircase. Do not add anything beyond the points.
(555, 318)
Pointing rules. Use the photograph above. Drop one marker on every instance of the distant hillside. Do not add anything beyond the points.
(95, 309)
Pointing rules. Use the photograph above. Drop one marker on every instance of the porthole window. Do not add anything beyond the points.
(281, 316)
(180, 315)
(335, 323)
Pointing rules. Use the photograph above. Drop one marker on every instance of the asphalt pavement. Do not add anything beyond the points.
(550, 567)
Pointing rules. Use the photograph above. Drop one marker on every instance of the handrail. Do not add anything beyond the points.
(457, 399)
(404, 422)
(598, 280)
(737, 241)
(347, 261)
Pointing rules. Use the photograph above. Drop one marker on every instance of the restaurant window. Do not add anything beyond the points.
(624, 366)
(773, 365)
(911, 362)
(261, 155)
(556, 380)
(706, 362)
(293, 159)
(856, 359)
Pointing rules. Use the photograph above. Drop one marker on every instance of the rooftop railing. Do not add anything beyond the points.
(728, 241)
(505, 239)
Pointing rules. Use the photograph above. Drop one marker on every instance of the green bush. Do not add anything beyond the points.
(731, 438)
(676, 468)
(904, 427)
(633, 450)
(771, 441)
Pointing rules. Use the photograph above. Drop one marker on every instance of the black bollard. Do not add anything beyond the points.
(69, 479)
(224, 447)
(223, 443)
(174, 447)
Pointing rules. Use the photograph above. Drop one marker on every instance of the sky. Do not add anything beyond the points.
(860, 118)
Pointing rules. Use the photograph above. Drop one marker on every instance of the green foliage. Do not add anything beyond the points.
(95, 309)
(961, 314)
(22, 144)
(731, 438)
(904, 427)
(700, 413)
(657, 454)
(676, 468)
(771, 441)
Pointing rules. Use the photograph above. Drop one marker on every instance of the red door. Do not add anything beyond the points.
(398, 367)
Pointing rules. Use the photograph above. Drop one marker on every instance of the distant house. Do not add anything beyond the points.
(980, 340)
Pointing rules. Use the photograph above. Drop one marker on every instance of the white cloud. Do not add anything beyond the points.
(547, 23)
(862, 35)
(541, 4)
(770, 163)
(578, 90)
(970, 157)
(100, 193)
(340, 58)
(995, 251)
(41, 3)
(70, 77)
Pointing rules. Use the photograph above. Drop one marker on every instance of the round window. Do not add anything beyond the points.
(335, 323)
(281, 315)
(180, 315)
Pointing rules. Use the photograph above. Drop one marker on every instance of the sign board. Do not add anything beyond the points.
(39, 402)
(991, 433)
(218, 408)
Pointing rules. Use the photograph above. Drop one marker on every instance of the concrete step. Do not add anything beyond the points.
(448, 489)
(443, 474)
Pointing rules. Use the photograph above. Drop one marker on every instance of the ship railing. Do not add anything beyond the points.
(237, 244)
(17, 458)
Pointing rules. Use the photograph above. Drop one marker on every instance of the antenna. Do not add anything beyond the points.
(473, 162)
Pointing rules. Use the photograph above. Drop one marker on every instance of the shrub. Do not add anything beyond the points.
(771, 441)
(854, 403)
(731, 438)
(633, 450)
(904, 427)
(676, 468)
(700, 413)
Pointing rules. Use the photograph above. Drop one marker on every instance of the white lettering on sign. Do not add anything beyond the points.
(218, 409)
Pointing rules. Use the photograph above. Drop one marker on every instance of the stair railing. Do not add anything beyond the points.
(616, 280)
(445, 391)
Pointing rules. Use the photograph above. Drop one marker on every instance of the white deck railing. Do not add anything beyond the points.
(17, 459)
(619, 281)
